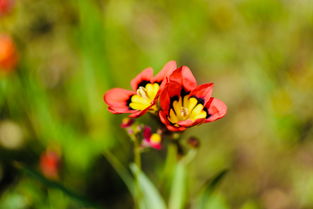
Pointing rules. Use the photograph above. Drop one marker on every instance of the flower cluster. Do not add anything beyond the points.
(173, 95)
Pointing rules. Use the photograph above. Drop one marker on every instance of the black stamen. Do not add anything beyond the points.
(143, 83)
(201, 101)
(183, 92)
(170, 121)
(207, 113)
(174, 98)
(128, 101)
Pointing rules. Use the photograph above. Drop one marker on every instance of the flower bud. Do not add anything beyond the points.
(8, 54)
(138, 128)
(50, 163)
(155, 141)
(151, 139)
(127, 122)
(175, 136)
(193, 142)
(5, 7)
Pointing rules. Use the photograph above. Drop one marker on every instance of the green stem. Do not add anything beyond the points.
(170, 162)
(137, 159)
(137, 150)
(137, 154)
(171, 158)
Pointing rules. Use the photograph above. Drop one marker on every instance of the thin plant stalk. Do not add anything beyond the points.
(137, 159)
(137, 153)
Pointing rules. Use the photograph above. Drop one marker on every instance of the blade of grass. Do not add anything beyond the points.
(121, 170)
(150, 196)
(209, 187)
(55, 185)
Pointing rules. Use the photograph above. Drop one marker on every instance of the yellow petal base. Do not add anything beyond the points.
(186, 108)
(144, 97)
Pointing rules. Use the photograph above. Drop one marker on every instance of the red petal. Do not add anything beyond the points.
(156, 146)
(117, 99)
(163, 117)
(175, 129)
(184, 77)
(145, 76)
(147, 143)
(171, 90)
(216, 108)
(138, 113)
(190, 123)
(118, 110)
(169, 126)
(166, 71)
(185, 123)
(165, 99)
(203, 91)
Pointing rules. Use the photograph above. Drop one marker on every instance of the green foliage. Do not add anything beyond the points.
(257, 52)
(148, 195)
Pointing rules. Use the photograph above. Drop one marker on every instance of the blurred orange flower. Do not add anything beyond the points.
(8, 54)
(5, 6)
(49, 164)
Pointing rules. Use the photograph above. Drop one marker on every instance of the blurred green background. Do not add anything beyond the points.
(259, 54)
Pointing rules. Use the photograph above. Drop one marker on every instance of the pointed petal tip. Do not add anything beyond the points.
(217, 109)
(145, 75)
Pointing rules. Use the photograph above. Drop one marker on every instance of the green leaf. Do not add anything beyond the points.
(208, 189)
(149, 197)
(250, 204)
(216, 201)
(212, 183)
(178, 191)
(124, 174)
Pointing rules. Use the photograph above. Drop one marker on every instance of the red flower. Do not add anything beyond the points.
(143, 97)
(184, 104)
(8, 54)
(5, 6)
(49, 164)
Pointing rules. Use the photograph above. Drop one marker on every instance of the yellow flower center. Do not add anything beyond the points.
(186, 108)
(144, 97)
